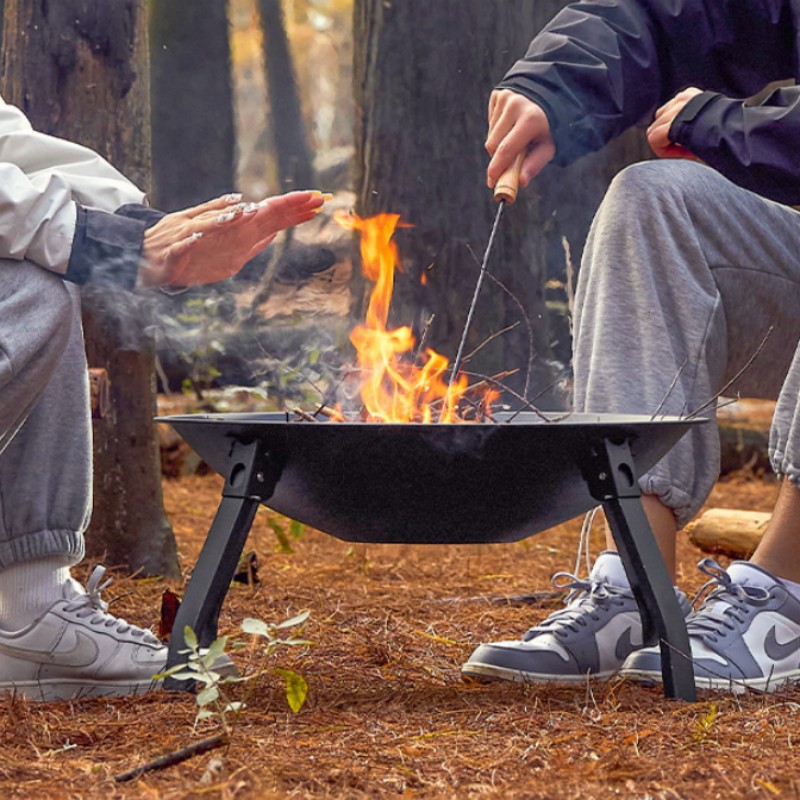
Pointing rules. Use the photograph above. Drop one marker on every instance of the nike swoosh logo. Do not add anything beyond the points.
(83, 653)
(776, 650)
(624, 645)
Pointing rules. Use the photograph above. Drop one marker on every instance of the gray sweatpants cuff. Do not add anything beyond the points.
(69, 545)
(683, 505)
(783, 467)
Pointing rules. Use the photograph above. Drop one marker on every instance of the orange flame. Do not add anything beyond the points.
(397, 387)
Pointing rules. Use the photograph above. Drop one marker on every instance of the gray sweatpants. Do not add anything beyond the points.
(683, 276)
(45, 430)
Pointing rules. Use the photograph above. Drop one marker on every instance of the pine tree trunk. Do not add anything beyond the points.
(423, 75)
(295, 170)
(79, 70)
(192, 96)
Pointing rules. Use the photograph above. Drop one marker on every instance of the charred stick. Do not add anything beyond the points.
(304, 415)
(185, 753)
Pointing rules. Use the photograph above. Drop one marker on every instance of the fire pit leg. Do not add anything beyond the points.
(253, 475)
(613, 481)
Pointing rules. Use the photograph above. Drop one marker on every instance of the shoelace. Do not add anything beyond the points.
(92, 607)
(585, 598)
(726, 602)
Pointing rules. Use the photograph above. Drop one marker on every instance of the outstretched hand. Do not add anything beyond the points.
(214, 240)
(517, 125)
(658, 132)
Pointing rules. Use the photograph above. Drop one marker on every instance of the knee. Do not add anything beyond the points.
(663, 185)
(38, 311)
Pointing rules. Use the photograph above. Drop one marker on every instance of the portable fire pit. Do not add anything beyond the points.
(497, 481)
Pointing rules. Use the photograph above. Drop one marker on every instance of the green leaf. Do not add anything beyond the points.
(208, 695)
(298, 620)
(296, 529)
(280, 535)
(179, 672)
(235, 706)
(296, 688)
(206, 713)
(215, 650)
(190, 638)
(256, 627)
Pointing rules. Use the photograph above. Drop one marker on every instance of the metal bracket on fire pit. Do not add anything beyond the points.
(611, 477)
(253, 476)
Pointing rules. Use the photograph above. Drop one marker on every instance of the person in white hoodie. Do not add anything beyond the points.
(67, 217)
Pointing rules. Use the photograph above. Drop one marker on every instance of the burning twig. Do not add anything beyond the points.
(671, 387)
(735, 377)
(304, 415)
(423, 337)
(524, 314)
(570, 287)
(495, 335)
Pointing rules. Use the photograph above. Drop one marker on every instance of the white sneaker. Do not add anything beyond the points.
(745, 635)
(594, 633)
(77, 649)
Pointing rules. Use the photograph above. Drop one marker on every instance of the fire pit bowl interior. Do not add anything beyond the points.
(429, 483)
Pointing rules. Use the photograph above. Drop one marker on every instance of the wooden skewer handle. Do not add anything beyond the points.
(507, 186)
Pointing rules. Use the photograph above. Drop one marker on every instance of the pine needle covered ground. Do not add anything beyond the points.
(387, 714)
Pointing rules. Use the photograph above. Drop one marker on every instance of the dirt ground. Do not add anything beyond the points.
(387, 714)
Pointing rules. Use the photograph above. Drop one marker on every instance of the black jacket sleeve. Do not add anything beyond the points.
(601, 66)
(107, 248)
(757, 147)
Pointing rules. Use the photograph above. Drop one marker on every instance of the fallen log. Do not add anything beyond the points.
(728, 531)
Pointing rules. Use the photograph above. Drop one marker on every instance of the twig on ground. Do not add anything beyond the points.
(531, 599)
(176, 757)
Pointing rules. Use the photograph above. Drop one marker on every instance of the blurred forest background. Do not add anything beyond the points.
(381, 102)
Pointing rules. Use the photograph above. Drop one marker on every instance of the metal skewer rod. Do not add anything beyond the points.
(505, 191)
(474, 302)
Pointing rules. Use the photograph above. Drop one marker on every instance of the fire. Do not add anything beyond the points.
(398, 386)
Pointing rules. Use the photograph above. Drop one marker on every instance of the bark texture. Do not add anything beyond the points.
(193, 129)
(423, 75)
(295, 169)
(79, 70)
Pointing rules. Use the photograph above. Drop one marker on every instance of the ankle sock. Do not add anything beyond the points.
(27, 590)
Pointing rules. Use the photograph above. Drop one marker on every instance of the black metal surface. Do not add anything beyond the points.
(611, 476)
(437, 483)
(486, 482)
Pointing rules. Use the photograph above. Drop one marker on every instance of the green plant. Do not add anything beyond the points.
(204, 667)
(202, 316)
(285, 531)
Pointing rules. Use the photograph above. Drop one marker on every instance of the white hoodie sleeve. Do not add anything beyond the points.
(43, 181)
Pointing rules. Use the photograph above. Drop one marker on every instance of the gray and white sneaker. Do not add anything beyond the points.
(746, 633)
(77, 649)
(592, 636)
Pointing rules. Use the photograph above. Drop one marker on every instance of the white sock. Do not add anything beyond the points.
(608, 567)
(28, 590)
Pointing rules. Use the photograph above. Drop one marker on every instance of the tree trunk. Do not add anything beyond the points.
(192, 96)
(293, 156)
(78, 68)
(423, 75)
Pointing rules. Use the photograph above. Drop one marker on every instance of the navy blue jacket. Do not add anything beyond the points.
(601, 66)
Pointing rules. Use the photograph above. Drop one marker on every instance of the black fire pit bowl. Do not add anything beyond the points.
(436, 484)
(429, 484)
